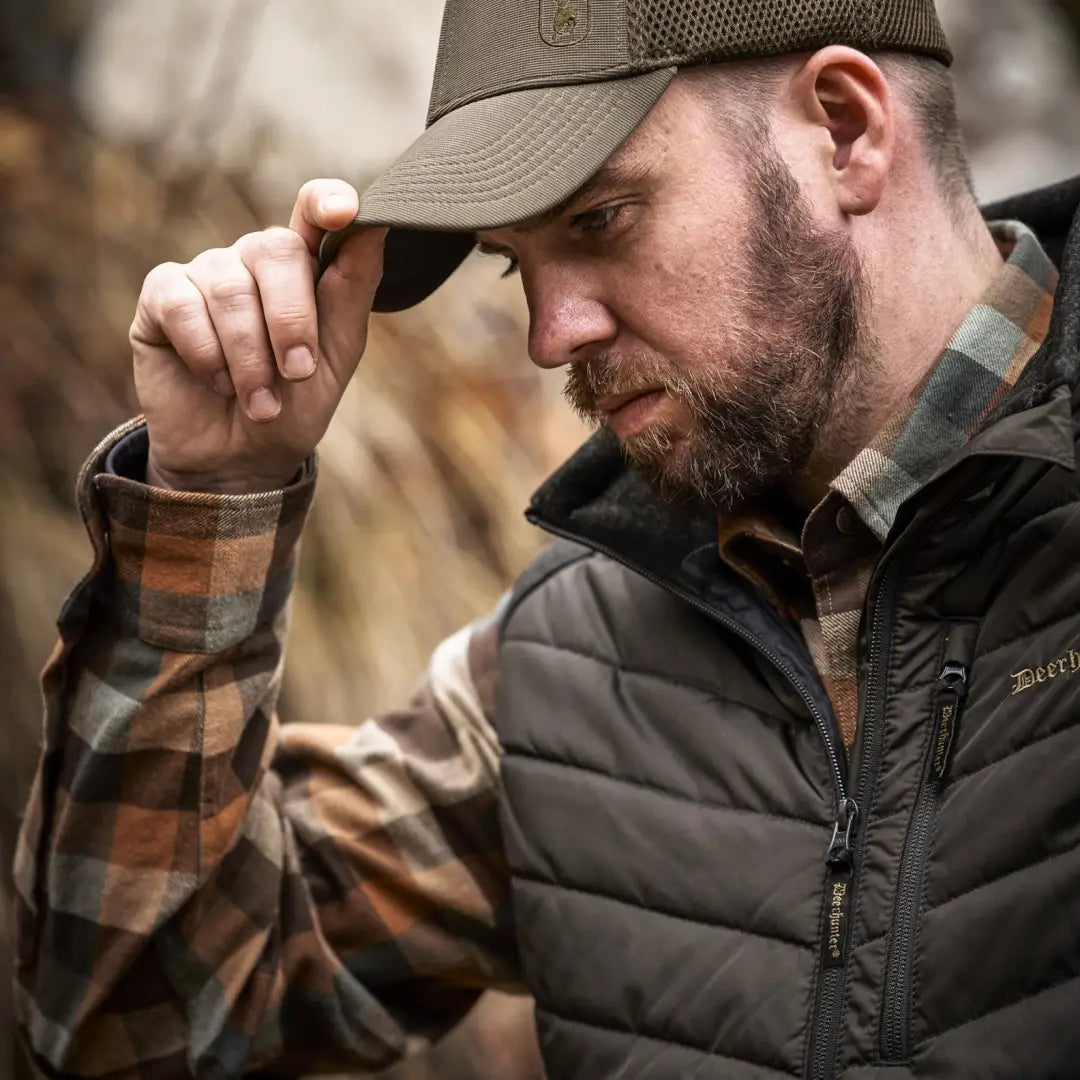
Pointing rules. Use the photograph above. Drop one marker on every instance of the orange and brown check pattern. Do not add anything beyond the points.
(818, 571)
(203, 893)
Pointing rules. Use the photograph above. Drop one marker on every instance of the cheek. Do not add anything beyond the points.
(677, 301)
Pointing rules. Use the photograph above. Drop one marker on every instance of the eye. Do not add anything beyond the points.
(500, 253)
(492, 252)
(597, 220)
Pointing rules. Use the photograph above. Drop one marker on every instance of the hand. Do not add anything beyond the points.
(240, 362)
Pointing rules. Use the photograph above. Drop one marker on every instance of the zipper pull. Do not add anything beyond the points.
(839, 853)
(953, 691)
(955, 677)
(838, 888)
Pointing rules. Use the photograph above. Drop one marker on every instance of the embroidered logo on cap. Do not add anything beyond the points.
(564, 22)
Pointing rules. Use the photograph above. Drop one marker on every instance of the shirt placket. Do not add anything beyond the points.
(840, 552)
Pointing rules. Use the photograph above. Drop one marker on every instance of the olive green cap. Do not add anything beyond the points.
(531, 97)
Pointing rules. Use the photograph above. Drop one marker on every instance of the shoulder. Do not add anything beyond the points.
(553, 561)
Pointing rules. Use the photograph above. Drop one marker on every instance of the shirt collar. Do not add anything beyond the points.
(978, 367)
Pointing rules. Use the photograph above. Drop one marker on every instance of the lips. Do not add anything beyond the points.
(632, 413)
(614, 402)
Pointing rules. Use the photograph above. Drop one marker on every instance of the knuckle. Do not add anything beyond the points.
(160, 275)
(244, 247)
(180, 311)
(248, 353)
(210, 261)
(279, 244)
(231, 290)
(289, 321)
(205, 354)
(159, 284)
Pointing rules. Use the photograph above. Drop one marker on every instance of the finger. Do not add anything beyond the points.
(279, 262)
(172, 312)
(232, 299)
(345, 295)
(322, 206)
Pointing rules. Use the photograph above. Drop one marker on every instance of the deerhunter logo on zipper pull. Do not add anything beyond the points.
(836, 920)
(1029, 678)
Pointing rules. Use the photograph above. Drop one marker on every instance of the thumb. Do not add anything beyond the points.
(344, 297)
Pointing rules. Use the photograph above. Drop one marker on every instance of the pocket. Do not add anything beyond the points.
(946, 713)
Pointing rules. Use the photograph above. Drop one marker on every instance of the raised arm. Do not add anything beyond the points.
(199, 892)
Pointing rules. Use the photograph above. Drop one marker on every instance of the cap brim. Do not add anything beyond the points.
(489, 164)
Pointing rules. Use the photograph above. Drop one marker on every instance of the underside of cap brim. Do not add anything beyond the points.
(488, 164)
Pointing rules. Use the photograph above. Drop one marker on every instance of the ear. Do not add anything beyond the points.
(843, 92)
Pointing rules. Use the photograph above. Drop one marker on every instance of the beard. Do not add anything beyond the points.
(754, 419)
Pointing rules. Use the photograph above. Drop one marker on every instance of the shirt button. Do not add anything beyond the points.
(846, 522)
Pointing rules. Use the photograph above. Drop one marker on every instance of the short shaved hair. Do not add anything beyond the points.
(927, 87)
(922, 83)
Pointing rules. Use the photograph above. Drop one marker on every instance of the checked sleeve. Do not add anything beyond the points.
(201, 892)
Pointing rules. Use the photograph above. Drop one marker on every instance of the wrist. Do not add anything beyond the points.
(217, 483)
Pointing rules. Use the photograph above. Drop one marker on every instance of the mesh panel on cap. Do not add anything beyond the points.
(899, 23)
(687, 32)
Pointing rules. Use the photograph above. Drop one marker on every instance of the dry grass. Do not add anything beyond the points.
(417, 526)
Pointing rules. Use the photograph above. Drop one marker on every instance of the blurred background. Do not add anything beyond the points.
(138, 131)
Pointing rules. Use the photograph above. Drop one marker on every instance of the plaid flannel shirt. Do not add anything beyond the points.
(203, 892)
(818, 572)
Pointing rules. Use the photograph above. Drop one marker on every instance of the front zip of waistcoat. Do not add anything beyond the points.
(828, 1015)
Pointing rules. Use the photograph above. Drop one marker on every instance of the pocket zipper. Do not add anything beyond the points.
(897, 1005)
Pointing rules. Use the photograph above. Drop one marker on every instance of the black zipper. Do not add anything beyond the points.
(897, 993)
(835, 935)
(829, 1003)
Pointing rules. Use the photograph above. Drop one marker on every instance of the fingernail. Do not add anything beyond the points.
(299, 363)
(334, 204)
(263, 404)
(223, 384)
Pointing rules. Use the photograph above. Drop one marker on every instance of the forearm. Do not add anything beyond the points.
(159, 705)
(191, 880)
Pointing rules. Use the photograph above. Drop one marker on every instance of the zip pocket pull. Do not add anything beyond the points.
(953, 683)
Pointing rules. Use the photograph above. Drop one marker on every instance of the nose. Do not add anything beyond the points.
(566, 324)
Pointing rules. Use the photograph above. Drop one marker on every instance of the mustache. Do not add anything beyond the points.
(606, 375)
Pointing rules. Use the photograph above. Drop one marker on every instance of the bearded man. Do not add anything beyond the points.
(762, 770)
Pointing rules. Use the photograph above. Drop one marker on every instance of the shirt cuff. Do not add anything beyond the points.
(129, 456)
(196, 572)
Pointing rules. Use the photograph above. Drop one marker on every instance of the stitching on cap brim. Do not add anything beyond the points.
(495, 162)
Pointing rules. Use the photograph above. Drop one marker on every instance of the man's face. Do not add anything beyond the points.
(703, 314)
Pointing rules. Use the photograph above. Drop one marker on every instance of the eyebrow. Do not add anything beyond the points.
(608, 178)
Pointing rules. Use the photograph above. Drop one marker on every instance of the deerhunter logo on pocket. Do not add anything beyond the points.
(1029, 678)
(564, 22)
